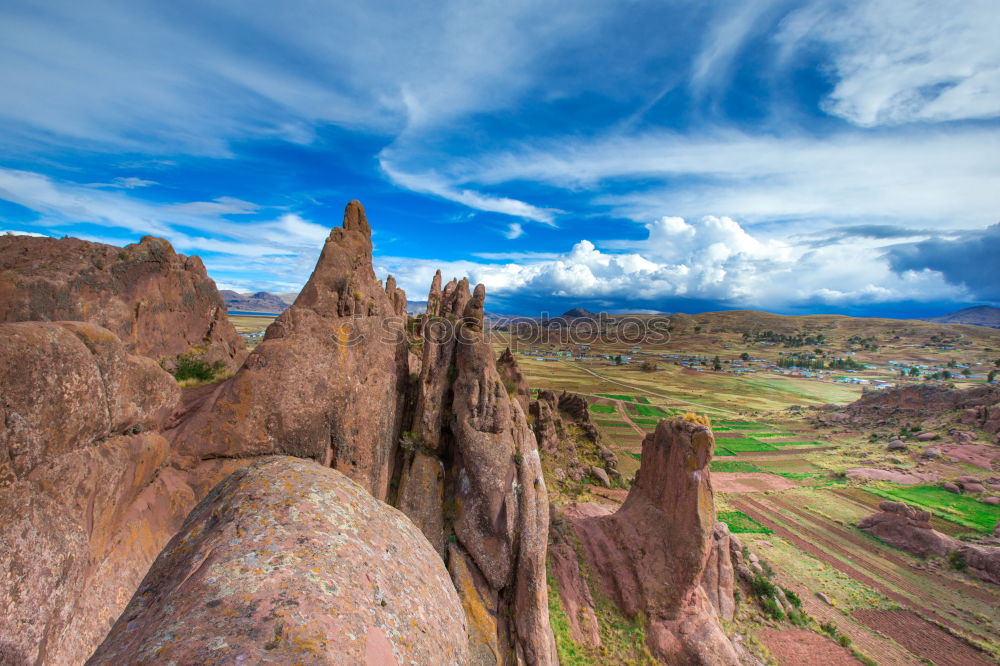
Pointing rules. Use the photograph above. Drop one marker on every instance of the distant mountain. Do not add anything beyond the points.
(576, 313)
(261, 301)
(981, 315)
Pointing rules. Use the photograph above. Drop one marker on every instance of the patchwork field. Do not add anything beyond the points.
(780, 485)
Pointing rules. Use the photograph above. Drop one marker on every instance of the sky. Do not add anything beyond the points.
(796, 157)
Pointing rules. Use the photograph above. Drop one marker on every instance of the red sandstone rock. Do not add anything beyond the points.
(908, 529)
(982, 561)
(290, 562)
(652, 554)
(329, 379)
(159, 303)
(66, 385)
(514, 379)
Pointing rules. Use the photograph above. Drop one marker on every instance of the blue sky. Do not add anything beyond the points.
(795, 157)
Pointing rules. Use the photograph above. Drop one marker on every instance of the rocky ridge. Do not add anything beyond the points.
(159, 303)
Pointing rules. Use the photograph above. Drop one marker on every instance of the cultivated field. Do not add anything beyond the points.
(780, 482)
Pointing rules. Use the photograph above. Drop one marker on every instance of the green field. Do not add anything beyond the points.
(651, 410)
(613, 424)
(960, 509)
(734, 466)
(766, 435)
(741, 523)
(624, 398)
(602, 409)
(745, 445)
(643, 421)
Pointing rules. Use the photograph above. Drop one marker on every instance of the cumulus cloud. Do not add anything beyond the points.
(713, 259)
(899, 61)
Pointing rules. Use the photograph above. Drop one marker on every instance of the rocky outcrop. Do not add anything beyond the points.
(514, 379)
(67, 385)
(86, 503)
(981, 561)
(471, 447)
(250, 579)
(159, 303)
(569, 441)
(330, 382)
(660, 551)
(329, 379)
(909, 529)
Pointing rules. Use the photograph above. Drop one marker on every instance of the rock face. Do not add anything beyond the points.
(982, 561)
(908, 529)
(81, 456)
(290, 562)
(85, 504)
(67, 385)
(472, 452)
(569, 440)
(159, 303)
(657, 554)
(327, 382)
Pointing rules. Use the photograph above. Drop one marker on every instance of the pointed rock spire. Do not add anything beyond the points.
(434, 297)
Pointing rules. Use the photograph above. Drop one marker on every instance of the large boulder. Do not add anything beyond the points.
(290, 562)
(90, 493)
(982, 561)
(159, 303)
(909, 529)
(67, 385)
(329, 379)
(659, 552)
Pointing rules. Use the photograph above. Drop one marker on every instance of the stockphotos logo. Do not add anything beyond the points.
(516, 332)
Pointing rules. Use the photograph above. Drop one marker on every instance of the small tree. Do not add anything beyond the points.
(716, 363)
(966, 372)
(992, 376)
(745, 356)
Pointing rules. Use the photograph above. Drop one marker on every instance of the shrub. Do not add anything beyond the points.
(792, 597)
(957, 560)
(772, 608)
(194, 368)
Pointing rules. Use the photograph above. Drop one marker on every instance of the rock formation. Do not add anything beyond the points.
(290, 562)
(909, 529)
(570, 442)
(328, 380)
(97, 449)
(85, 500)
(658, 553)
(471, 451)
(159, 303)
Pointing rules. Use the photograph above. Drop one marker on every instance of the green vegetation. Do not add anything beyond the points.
(644, 421)
(624, 398)
(739, 466)
(613, 424)
(741, 523)
(960, 509)
(745, 445)
(191, 370)
(602, 409)
(651, 410)
(642, 400)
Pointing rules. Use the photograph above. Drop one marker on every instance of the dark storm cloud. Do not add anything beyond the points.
(972, 259)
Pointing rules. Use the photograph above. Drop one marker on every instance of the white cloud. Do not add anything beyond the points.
(15, 232)
(514, 230)
(281, 250)
(942, 179)
(899, 61)
(430, 183)
(713, 259)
